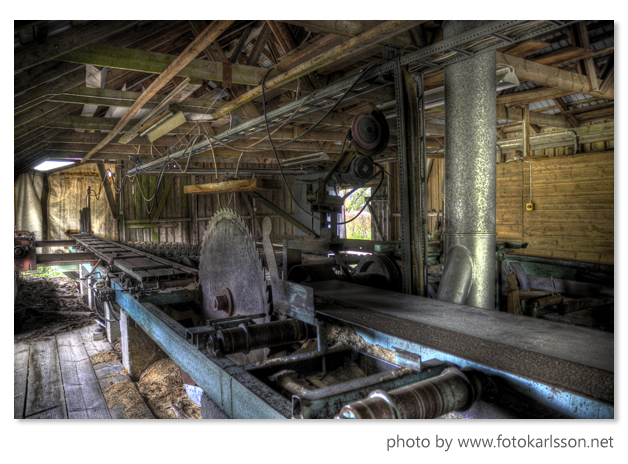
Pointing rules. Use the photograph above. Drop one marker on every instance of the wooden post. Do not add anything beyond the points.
(526, 130)
(45, 196)
(514, 304)
(138, 350)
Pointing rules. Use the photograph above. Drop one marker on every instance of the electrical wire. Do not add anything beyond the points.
(361, 74)
(272, 145)
(367, 202)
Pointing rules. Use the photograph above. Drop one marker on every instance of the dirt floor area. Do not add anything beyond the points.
(46, 306)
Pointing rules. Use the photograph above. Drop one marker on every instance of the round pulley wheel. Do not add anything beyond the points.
(379, 271)
(370, 133)
(359, 173)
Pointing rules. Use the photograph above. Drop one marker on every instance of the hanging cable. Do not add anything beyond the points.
(367, 202)
(272, 145)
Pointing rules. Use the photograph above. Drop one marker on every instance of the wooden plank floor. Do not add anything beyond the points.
(55, 379)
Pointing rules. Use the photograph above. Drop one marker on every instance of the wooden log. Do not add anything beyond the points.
(232, 186)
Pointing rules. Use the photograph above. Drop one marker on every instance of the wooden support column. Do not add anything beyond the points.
(526, 130)
(109, 193)
(45, 196)
(112, 328)
(120, 234)
(138, 350)
(589, 64)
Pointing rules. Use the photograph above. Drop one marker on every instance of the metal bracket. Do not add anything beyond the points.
(227, 73)
(105, 294)
(406, 359)
(294, 300)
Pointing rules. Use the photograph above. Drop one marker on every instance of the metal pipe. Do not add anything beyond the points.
(245, 338)
(470, 169)
(456, 281)
(453, 390)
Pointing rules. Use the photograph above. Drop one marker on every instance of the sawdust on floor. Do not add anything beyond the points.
(343, 335)
(105, 356)
(160, 384)
(124, 396)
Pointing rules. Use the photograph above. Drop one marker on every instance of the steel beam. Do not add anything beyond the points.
(235, 391)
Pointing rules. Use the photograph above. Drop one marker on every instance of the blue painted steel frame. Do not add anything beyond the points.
(237, 392)
(241, 395)
(565, 402)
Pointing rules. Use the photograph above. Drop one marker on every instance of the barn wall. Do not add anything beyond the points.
(190, 214)
(573, 195)
(573, 216)
(68, 195)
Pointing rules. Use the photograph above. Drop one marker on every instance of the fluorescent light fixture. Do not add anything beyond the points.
(50, 165)
(320, 156)
(506, 79)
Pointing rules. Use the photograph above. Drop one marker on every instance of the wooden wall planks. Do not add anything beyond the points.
(198, 208)
(573, 217)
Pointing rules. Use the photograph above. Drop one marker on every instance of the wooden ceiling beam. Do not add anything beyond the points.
(562, 106)
(260, 43)
(210, 34)
(351, 46)
(44, 92)
(549, 76)
(218, 53)
(607, 76)
(44, 119)
(355, 28)
(36, 53)
(156, 63)
(530, 96)
(283, 35)
(589, 65)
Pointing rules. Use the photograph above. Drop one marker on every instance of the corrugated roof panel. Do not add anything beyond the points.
(541, 104)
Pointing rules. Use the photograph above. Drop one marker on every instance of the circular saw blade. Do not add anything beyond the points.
(230, 260)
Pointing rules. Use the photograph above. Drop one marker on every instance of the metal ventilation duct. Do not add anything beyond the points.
(470, 176)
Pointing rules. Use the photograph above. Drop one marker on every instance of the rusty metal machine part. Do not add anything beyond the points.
(370, 133)
(453, 390)
(24, 257)
(358, 173)
(245, 338)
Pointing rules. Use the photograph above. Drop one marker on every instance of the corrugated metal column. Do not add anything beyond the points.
(470, 170)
